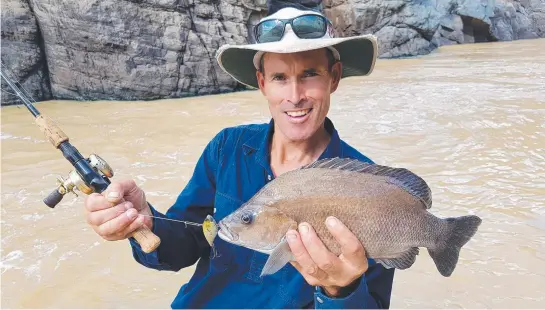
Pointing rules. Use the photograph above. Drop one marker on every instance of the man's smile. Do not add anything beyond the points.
(298, 116)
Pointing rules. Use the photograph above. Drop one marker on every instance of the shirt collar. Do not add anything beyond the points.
(259, 143)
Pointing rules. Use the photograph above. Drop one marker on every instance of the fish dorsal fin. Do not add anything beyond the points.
(401, 177)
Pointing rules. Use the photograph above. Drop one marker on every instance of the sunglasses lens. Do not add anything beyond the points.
(270, 31)
(309, 26)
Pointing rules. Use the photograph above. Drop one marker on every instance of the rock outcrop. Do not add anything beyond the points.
(150, 49)
(410, 28)
(514, 20)
(111, 49)
(22, 52)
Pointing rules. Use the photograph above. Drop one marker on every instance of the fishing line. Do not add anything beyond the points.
(167, 219)
(214, 251)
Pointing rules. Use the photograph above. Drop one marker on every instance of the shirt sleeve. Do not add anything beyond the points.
(181, 245)
(373, 291)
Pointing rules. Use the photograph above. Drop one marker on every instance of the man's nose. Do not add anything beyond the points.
(296, 92)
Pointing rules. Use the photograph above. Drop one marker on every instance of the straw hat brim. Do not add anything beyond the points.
(357, 54)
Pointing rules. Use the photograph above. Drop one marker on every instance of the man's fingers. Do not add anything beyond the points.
(351, 247)
(139, 222)
(310, 279)
(132, 192)
(115, 227)
(114, 193)
(324, 259)
(301, 255)
(100, 217)
(129, 191)
(112, 196)
(119, 189)
(95, 202)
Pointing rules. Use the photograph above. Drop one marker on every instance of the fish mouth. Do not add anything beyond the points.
(226, 234)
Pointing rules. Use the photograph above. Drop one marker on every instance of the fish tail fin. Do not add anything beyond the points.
(461, 230)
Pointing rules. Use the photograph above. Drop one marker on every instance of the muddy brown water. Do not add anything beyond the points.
(470, 119)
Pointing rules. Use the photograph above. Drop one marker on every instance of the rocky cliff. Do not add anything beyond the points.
(150, 49)
(22, 52)
(409, 28)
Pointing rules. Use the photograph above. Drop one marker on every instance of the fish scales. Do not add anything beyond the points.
(386, 208)
(378, 221)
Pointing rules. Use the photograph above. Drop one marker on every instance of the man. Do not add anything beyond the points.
(296, 64)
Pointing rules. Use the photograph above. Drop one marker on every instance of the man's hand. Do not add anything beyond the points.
(114, 214)
(322, 268)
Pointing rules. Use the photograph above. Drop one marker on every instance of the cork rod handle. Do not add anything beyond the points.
(51, 131)
(147, 239)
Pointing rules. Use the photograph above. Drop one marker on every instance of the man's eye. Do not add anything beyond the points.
(278, 78)
(309, 74)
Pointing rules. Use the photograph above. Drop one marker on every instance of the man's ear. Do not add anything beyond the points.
(260, 81)
(336, 73)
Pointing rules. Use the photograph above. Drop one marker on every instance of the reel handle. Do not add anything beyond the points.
(53, 199)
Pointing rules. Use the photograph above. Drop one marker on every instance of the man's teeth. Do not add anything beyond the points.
(298, 113)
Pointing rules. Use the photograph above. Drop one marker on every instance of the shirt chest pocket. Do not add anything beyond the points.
(247, 262)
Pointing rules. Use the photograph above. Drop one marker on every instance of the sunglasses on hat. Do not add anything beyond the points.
(309, 26)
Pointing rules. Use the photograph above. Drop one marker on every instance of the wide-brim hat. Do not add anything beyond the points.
(357, 53)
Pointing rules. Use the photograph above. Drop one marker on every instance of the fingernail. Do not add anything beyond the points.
(291, 235)
(332, 221)
(128, 205)
(303, 228)
(131, 213)
(113, 195)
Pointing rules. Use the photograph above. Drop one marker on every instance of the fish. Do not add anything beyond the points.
(386, 208)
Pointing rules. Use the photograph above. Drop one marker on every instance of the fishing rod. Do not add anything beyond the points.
(90, 175)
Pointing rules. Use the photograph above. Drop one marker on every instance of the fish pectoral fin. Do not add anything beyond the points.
(279, 257)
(403, 261)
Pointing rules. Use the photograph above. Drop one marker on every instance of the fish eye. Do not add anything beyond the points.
(246, 218)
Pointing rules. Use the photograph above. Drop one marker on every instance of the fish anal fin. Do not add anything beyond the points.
(403, 261)
(279, 257)
(400, 177)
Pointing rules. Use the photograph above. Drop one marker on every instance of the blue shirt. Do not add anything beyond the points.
(232, 168)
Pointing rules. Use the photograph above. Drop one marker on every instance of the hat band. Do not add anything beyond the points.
(258, 55)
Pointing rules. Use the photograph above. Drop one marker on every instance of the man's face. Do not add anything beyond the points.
(298, 88)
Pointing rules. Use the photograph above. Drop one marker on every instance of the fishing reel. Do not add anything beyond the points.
(75, 181)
